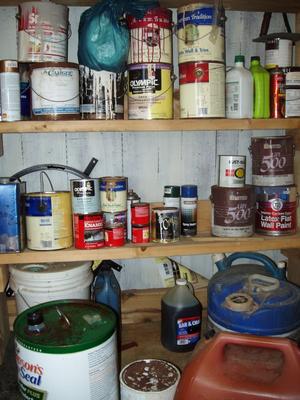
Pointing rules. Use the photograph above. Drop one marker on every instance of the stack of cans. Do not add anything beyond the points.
(140, 222)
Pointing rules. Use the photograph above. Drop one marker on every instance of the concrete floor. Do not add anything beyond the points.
(8, 375)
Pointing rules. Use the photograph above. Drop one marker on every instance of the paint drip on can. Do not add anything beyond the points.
(88, 231)
(232, 171)
(10, 98)
(85, 196)
(113, 193)
(165, 224)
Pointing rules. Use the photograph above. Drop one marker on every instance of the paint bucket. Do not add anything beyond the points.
(76, 336)
(276, 210)
(278, 53)
(272, 160)
(101, 94)
(202, 90)
(113, 193)
(199, 38)
(149, 379)
(232, 171)
(151, 37)
(10, 100)
(37, 283)
(150, 91)
(54, 91)
(88, 231)
(165, 224)
(48, 220)
(85, 196)
(292, 92)
(233, 211)
(42, 32)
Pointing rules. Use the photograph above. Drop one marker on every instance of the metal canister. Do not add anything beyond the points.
(88, 231)
(171, 196)
(10, 90)
(114, 235)
(165, 224)
(232, 171)
(140, 234)
(278, 53)
(113, 193)
(292, 92)
(277, 93)
(188, 210)
(85, 196)
(132, 198)
(140, 214)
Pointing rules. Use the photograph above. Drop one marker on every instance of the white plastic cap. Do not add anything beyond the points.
(181, 282)
(218, 257)
(281, 264)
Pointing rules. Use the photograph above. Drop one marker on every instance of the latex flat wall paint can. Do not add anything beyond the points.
(232, 171)
(278, 52)
(113, 193)
(80, 339)
(202, 90)
(165, 224)
(150, 91)
(85, 196)
(88, 231)
(48, 220)
(10, 98)
(42, 32)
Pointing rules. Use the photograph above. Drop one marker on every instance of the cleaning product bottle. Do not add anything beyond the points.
(239, 90)
(261, 98)
(181, 314)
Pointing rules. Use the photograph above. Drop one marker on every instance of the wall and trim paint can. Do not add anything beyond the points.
(88, 231)
(85, 196)
(232, 171)
(165, 224)
(10, 97)
(113, 193)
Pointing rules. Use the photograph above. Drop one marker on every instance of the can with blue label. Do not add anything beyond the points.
(113, 193)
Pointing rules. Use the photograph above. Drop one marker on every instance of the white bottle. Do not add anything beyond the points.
(239, 90)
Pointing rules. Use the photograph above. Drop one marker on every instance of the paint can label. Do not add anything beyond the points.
(188, 216)
(165, 224)
(85, 196)
(88, 231)
(140, 234)
(292, 94)
(115, 236)
(278, 53)
(232, 171)
(113, 194)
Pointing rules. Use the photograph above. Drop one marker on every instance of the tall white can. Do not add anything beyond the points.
(10, 90)
(232, 171)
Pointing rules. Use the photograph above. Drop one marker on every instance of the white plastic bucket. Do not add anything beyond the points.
(39, 283)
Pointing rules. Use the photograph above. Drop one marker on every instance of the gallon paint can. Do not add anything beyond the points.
(232, 171)
(151, 37)
(42, 32)
(113, 193)
(278, 52)
(272, 160)
(48, 220)
(88, 231)
(233, 211)
(202, 90)
(77, 336)
(10, 101)
(37, 283)
(85, 196)
(165, 224)
(292, 92)
(199, 38)
(101, 94)
(276, 210)
(150, 91)
(54, 91)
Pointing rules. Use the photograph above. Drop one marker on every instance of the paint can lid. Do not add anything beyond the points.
(189, 191)
(171, 191)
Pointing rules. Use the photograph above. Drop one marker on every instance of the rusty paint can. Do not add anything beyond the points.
(277, 93)
(114, 236)
(232, 171)
(10, 98)
(113, 193)
(165, 224)
(140, 234)
(85, 196)
(276, 210)
(88, 231)
(140, 214)
(233, 211)
(272, 160)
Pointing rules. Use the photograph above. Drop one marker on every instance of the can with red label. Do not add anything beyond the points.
(88, 231)
(140, 233)
(140, 214)
(114, 235)
(277, 93)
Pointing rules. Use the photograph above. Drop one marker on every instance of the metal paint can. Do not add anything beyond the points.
(10, 100)
(113, 193)
(278, 52)
(165, 224)
(199, 38)
(101, 94)
(85, 196)
(140, 214)
(48, 220)
(150, 91)
(54, 91)
(292, 92)
(276, 210)
(232, 171)
(140, 234)
(151, 37)
(115, 235)
(88, 231)
(172, 196)
(272, 160)
(111, 219)
(277, 93)
(233, 211)
(25, 94)
(202, 90)
(189, 210)
(42, 32)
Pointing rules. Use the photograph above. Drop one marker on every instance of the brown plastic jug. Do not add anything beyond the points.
(242, 367)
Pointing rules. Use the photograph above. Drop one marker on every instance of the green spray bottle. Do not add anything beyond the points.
(261, 94)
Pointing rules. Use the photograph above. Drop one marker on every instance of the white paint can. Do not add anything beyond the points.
(232, 171)
(278, 53)
(113, 194)
(10, 97)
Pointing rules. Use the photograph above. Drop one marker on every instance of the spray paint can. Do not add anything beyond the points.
(189, 199)
(132, 198)
(10, 90)
(172, 196)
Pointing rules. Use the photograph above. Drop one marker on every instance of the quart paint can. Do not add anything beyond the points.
(278, 52)
(140, 234)
(85, 196)
(165, 224)
(199, 38)
(77, 336)
(114, 235)
(171, 196)
(202, 90)
(150, 91)
(48, 220)
(101, 94)
(276, 210)
(113, 193)
(54, 91)
(233, 211)
(151, 37)
(140, 214)
(292, 92)
(10, 100)
(232, 171)
(272, 160)
(277, 93)
(42, 32)
(88, 231)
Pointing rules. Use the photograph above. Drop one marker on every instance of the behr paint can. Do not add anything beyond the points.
(232, 171)
(165, 224)
(10, 97)
(88, 231)
(140, 234)
(113, 193)
(85, 196)
(278, 53)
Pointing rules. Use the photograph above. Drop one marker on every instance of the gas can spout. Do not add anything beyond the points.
(220, 260)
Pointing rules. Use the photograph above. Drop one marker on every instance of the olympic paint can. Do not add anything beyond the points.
(85, 196)
(114, 235)
(199, 37)
(140, 214)
(54, 91)
(42, 32)
(165, 224)
(292, 92)
(272, 160)
(150, 91)
(151, 37)
(233, 211)
(113, 193)
(10, 100)
(232, 171)
(48, 220)
(88, 231)
(202, 90)
(277, 93)
(278, 52)
(276, 210)
(140, 234)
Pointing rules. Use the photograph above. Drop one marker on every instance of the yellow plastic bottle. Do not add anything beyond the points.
(261, 92)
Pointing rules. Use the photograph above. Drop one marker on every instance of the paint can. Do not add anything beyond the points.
(115, 235)
(24, 69)
(165, 224)
(277, 93)
(276, 210)
(232, 171)
(48, 220)
(272, 160)
(292, 92)
(42, 32)
(88, 231)
(140, 214)
(77, 336)
(278, 52)
(85, 196)
(54, 91)
(111, 219)
(202, 90)
(140, 234)
(101, 94)
(171, 196)
(10, 91)
(113, 193)
(150, 91)
(199, 38)
(151, 37)
(233, 211)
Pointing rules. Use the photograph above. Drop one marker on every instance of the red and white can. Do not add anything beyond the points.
(115, 236)
(140, 214)
(277, 93)
(140, 234)
(88, 231)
